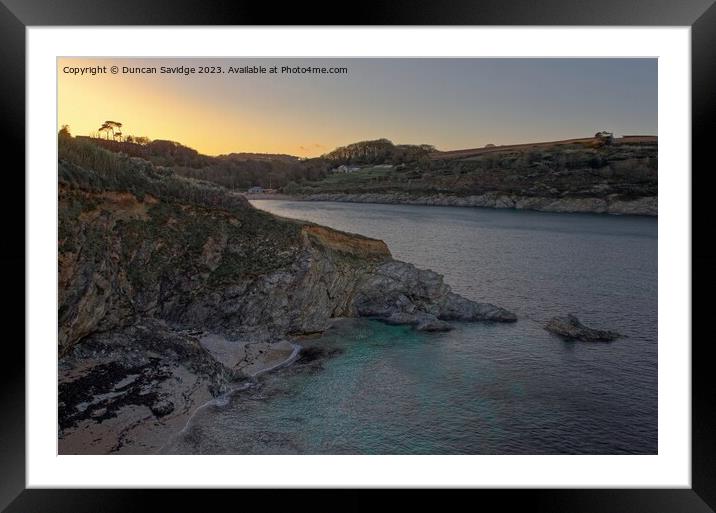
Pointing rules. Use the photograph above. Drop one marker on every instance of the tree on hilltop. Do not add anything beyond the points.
(115, 127)
(104, 128)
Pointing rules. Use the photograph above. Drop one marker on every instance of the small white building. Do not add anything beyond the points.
(255, 190)
(346, 169)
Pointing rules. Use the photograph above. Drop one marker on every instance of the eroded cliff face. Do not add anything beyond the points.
(122, 258)
(149, 264)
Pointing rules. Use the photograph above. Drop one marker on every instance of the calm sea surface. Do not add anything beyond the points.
(368, 388)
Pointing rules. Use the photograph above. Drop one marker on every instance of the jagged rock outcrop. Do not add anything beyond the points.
(571, 328)
(404, 294)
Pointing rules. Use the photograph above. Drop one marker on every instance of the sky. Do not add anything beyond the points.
(449, 103)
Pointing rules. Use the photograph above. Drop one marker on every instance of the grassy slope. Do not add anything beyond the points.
(626, 170)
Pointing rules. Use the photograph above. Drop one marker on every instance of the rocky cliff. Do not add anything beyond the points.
(151, 264)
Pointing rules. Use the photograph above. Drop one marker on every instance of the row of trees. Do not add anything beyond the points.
(112, 131)
(379, 151)
(242, 173)
(114, 127)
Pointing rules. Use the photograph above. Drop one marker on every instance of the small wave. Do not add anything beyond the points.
(224, 399)
(288, 361)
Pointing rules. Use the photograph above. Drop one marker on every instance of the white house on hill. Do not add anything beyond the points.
(345, 169)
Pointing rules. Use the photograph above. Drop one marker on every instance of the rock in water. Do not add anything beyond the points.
(400, 293)
(570, 327)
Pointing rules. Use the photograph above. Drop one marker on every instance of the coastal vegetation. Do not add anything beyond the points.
(591, 175)
(576, 170)
(237, 171)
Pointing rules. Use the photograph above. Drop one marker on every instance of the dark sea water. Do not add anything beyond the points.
(369, 388)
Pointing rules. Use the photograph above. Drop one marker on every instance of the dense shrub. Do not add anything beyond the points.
(85, 165)
(235, 171)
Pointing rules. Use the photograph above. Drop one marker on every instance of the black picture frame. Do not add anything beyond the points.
(16, 15)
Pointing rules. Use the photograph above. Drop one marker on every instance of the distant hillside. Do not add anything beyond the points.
(575, 175)
(590, 142)
(260, 156)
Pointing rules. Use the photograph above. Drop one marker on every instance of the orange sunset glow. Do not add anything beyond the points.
(449, 103)
(147, 107)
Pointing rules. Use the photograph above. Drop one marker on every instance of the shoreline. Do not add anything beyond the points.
(309, 355)
(224, 398)
(288, 361)
(645, 206)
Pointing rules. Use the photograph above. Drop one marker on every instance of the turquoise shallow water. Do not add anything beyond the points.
(368, 388)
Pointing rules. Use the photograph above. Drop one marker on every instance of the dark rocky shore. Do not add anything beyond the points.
(646, 206)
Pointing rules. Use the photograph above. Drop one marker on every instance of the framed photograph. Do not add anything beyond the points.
(439, 248)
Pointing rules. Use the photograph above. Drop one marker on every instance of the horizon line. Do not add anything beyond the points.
(437, 150)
